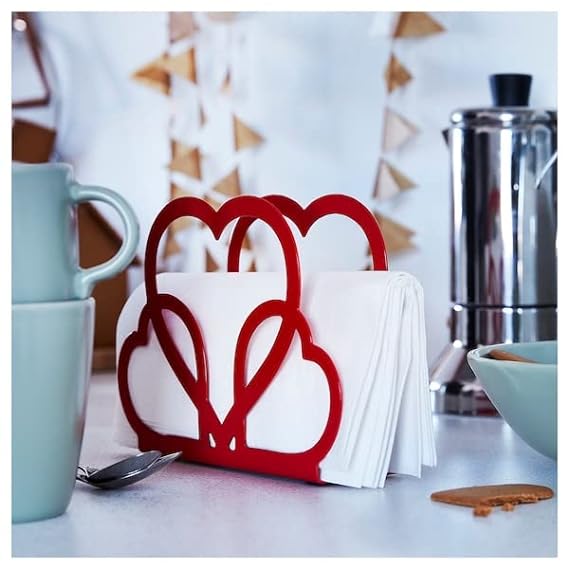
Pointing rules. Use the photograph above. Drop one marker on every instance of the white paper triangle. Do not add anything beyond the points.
(397, 130)
(385, 185)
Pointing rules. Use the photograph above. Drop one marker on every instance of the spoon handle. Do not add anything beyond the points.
(508, 356)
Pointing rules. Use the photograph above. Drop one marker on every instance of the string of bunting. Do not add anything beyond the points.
(181, 60)
(398, 238)
(398, 130)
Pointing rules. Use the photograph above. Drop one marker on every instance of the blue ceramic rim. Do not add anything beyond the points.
(478, 354)
(27, 167)
(52, 305)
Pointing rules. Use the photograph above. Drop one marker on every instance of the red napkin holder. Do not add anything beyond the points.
(224, 443)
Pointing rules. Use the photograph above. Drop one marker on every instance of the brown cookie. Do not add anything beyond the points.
(508, 357)
(482, 511)
(495, 495)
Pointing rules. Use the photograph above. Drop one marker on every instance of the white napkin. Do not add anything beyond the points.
(370, 323)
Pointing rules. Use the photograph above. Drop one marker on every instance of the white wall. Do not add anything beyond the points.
(316, 92)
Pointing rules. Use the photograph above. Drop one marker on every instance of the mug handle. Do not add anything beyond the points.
(85, 279)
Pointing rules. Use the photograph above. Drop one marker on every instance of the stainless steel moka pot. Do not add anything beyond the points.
(503, 236)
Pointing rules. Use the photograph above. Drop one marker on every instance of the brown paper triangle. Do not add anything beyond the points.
(396, 75)
(247, 243)
(229, 185)
(402, 181)
(154, 76)
(31, 142)
(182, 222)
(171, 247)
(183, 64)
(253, 266)
(415, 25)
(202, 116)
(211, 201)
(177, 192)
(397, 237)
(244, 136)
(396, 130)
(186, 160)
(210, 263)
(390, 181)
(182, 25)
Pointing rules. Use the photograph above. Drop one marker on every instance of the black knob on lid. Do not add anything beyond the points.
(510, 89)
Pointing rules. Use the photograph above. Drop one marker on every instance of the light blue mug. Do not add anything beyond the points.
(52, 347)
(45, 259)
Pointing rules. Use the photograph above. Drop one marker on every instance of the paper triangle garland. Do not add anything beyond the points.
(396, 75)
(230, 185)
(246, 243)
(397, 237)
(202, 116)
(177, 192)
(171, 247)
(210, 263)
(396, 130)
(224, 17)
(182, 222)
(186, 160)
(182, 25)
(211, 201)
(402, 181)
(31, 142)
(390, 181)
(154, 76)
(416, 25)
(226, 85)
(183, 64)
(244, 136)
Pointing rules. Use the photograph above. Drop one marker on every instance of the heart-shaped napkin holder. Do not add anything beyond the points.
(224, 443)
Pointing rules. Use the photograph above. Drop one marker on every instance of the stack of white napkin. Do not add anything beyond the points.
(370, 323)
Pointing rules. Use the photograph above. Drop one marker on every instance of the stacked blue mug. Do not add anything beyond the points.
(52, 331)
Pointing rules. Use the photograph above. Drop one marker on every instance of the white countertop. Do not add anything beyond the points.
(192, 510)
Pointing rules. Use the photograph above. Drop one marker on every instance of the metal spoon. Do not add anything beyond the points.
(127, 471)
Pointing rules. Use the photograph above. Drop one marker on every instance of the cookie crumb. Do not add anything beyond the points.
(482, 511)
(508, 507)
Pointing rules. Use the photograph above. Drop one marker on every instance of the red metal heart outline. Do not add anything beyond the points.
(197, 391)
(300, 465)
(305, 218)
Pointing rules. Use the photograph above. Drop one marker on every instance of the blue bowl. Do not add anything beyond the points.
(524, 394)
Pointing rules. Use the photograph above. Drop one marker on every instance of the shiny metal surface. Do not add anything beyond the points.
(454, 387)
(503, 222)
(502, 117)
(127, 471)
(503, 243)
(479, 326)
